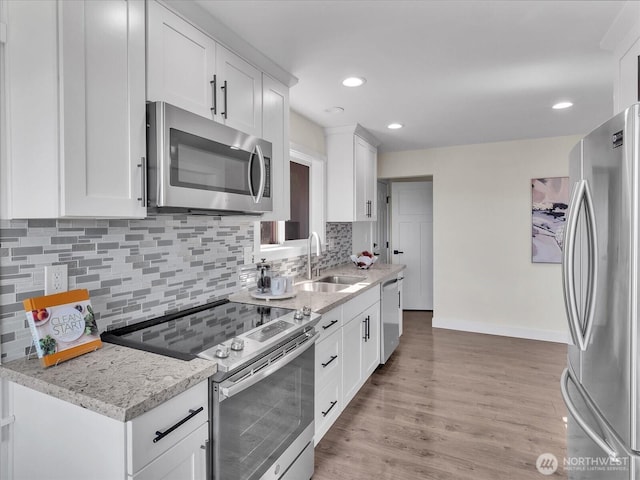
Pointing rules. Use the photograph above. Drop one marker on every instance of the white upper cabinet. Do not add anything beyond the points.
(275, 129)
(623, 40)
(181, 62)
(239, 93)
(190, 70)
(76, 148)
(629, 65)
(351, 175)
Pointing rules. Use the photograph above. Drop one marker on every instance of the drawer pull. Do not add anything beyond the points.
(333, 357)
(333, 404)
(192, 413)
(329, 325)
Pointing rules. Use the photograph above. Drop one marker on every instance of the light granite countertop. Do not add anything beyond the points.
(123, 383)
(118, 382)
(322, 302)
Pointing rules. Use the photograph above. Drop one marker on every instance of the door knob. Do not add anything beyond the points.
(396, 252)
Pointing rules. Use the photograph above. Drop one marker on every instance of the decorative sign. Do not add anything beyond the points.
(63, 326)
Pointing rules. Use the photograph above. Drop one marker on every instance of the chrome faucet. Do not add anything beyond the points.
(318, 252)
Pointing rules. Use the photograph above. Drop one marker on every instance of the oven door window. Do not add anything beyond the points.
(255, 426)
(203, 164)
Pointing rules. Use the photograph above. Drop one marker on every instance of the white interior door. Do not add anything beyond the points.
(412, 240)
(381, 227)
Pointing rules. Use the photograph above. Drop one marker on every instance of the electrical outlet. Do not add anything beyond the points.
(55, 279)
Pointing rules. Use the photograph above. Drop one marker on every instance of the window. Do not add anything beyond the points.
(282, 239)
(297, 228)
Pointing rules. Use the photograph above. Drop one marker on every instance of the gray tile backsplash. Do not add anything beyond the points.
(133, 269)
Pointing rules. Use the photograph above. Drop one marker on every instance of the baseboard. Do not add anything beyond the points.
(502, 330)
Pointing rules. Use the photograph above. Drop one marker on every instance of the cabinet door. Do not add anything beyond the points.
(371, 185)
(371, 345)
(239, 93)
(629, 70)
(361, 172)
(187, 460)
(103, 124)
(328, 406)
(352, 340)
(181, 62)
(328, 359)
(365, 171)
(275, 129)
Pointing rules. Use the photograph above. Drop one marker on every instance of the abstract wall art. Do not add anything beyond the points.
(549, 203)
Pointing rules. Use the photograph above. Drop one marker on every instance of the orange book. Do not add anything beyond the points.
(63, 326)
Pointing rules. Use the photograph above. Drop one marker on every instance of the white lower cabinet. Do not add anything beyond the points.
(347, 353)
(352, 369)
(361, 337)
(185, 461)
(76, 443)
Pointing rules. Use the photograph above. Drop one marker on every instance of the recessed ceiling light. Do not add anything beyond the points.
(395, 126)
(334, 110)
(354, 81)
(562, 105)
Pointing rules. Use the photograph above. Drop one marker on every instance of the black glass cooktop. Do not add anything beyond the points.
(187, 333)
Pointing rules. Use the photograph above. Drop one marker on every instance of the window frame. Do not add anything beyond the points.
(317, 208)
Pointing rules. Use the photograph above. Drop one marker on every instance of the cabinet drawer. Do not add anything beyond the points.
(141, 431)
(360, 303)
(328, 359)
(328, 407)
(329, 323)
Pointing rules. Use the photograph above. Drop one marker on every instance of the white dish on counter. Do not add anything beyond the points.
(271, 296)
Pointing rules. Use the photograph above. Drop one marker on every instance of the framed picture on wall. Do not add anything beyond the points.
(549, 203)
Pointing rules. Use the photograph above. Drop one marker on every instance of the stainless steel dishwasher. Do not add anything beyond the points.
(391, 316)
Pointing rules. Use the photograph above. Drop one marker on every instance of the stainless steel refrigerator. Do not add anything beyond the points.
(601, 270)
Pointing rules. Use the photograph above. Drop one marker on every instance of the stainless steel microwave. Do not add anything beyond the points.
(201, 166)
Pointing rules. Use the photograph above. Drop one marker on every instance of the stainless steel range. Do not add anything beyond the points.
(262, 398)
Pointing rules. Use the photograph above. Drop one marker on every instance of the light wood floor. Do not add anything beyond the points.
(451, 406)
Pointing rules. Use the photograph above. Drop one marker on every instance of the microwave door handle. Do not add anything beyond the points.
(249, 180)
(263, 174)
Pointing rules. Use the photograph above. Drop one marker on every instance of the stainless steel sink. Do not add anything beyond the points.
(340, 279)
(320, 287)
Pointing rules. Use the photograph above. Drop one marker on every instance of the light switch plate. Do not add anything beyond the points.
(55, 279)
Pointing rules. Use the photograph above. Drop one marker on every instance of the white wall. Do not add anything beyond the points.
(484, 280)
(303, 131)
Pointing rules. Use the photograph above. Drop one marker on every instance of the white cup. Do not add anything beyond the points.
(278, 285)
(289, 279)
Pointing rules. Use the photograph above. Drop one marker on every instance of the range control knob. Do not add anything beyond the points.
(222, 351)
(237, 344)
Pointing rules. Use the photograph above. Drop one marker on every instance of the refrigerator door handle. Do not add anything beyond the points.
(573, 411)
(581, 195)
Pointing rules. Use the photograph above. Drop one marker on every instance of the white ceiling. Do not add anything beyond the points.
(453, 72)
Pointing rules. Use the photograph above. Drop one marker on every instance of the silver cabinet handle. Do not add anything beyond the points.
(581, 195)
(143, 181)
(213, 83)
(564, 381)
(224, 88)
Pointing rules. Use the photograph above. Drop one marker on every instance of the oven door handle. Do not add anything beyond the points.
(235, 388)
